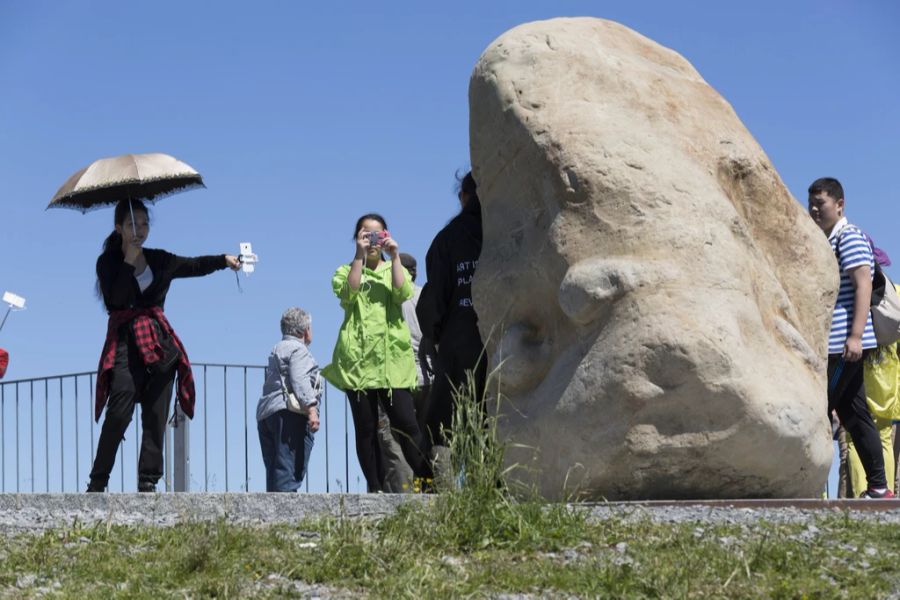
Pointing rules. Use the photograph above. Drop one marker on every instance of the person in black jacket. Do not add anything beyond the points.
(142, 353)
(445, 310)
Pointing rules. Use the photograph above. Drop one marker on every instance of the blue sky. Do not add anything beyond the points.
(303, 116)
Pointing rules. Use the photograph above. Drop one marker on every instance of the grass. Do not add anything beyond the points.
(402, 557)
(473, 540)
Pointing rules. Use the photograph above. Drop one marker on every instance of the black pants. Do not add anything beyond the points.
(399, 407)
(847, 396)
(452, 364)
(420, 398)
(130, 384)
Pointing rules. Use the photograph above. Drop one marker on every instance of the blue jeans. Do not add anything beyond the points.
(286, 443)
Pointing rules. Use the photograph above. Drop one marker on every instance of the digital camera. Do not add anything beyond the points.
(377, 238)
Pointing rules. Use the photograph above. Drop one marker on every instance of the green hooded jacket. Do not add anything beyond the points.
(373, 349)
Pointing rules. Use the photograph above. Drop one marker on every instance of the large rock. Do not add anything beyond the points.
(660, 301)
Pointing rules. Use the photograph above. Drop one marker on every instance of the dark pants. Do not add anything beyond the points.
(130, 384)
(399, 407)
(847, 397)
(452, 364)
(420, 401)
(286, 443)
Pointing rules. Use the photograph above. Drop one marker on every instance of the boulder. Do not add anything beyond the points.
(656, 301)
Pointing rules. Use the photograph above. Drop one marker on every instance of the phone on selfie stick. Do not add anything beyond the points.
(248, 261)
(15, 302)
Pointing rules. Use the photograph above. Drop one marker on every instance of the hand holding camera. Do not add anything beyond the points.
(367, 241)
(377, 238)
(391, 247)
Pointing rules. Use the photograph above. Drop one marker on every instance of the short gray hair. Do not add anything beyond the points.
(295, 321)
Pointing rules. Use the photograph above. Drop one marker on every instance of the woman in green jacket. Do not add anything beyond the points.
(373, 360)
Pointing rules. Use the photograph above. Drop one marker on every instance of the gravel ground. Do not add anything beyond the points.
(23, 513)
(730, 515)
(20, 513)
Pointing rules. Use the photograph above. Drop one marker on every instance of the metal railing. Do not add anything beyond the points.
(48, 437)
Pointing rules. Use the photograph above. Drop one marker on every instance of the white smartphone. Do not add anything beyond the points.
(248, 259)
(14, 300)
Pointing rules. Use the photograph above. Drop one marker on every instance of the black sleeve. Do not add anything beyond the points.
(432, 306)
(117, 282)
(198, 266)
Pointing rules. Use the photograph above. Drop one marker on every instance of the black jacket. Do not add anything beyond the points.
(120, 289)
(445, 310)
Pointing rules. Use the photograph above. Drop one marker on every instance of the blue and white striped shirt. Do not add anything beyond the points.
(852, 250)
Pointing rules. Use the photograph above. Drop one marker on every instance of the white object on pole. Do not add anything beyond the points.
(14, 301)
(247, 258)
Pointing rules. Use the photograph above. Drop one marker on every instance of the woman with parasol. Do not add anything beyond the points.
(142, 354)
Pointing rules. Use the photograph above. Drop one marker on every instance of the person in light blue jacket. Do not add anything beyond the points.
(285, 437)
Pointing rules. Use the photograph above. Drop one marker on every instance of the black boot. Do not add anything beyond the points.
(96, 486)
(146, 486)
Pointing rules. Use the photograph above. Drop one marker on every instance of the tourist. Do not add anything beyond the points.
(142, 354)
(397, 474)
(881, 375)
(373, 359)
(852, 337)
(447, 314)
(286, 436)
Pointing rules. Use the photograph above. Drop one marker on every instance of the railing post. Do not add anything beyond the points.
(182, 451)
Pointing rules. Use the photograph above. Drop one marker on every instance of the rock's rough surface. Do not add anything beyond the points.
(660, 300)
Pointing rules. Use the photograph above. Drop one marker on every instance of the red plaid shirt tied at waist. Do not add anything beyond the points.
(145, 336)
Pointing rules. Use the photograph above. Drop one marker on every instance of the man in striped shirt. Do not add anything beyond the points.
(851, 336)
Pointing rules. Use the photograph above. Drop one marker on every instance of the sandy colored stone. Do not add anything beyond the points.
(659, 300)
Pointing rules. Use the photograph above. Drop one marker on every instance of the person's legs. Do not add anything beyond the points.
(847, 395)
(397, 473)
(472, 359)
(439, 405)
(454, 364)
(398, 404)
(885, 429)
(845, 483)
(896, 444)
(155, 399)
(309, 440)
(420, 399)
(119, 411)
(287, 448)
(363, 406)
(452, 367)
(267, 447)
(857, 473)
(297, 445)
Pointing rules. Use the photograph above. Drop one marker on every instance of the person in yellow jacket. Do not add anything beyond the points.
(882, 383)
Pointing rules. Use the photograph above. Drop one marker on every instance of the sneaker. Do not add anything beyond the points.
(870, 493)
(94, 486)
(146, 486)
